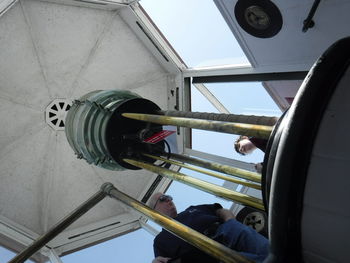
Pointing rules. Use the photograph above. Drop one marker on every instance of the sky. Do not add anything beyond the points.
(201, 37)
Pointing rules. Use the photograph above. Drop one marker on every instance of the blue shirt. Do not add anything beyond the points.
(198, 218)
(231, 233)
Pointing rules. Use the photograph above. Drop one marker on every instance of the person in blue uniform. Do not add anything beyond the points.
(211, 220)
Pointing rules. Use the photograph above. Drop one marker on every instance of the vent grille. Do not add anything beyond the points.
(55, 114)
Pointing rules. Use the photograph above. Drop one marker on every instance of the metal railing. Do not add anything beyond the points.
(191, 236)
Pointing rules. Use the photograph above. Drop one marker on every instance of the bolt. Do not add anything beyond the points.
(97, 161)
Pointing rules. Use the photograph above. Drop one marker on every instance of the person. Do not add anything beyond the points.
(245, 145)
(211, 220)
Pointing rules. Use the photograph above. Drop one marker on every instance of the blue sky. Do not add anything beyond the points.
(201, 37)
(197, 31)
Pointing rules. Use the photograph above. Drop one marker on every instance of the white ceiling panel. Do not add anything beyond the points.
(62, 50)
(291, 45)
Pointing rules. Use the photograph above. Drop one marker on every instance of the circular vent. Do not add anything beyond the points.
(56, 112)
(259, 18)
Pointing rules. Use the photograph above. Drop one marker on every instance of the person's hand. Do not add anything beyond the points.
(224, 214)
(258, 167)
(160, 260)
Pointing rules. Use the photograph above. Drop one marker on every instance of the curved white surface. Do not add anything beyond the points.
(55, 51)
(326, 214)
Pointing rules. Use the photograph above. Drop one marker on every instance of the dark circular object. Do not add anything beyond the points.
(123, 134)
(259, 18)
(99, 134)
(269, 159)
(254, 218)
(295, 148)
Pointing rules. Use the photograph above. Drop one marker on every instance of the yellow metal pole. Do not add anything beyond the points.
(191, 236)
(222, 168)
(224, 177)
(200, 184)
(249, 119)
(259, 131)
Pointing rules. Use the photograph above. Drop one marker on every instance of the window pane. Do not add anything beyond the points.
(196, 30)
(6, 255)
(248, 98)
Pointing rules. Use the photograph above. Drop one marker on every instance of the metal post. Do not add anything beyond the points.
(259, 131)
(202, 185)
(224, 177)
(58, 228)
(191, 236)
(54, 258)
(239, 118)
(222, 168)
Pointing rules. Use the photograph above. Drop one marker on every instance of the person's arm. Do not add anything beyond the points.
(224, 214)
(160, 260)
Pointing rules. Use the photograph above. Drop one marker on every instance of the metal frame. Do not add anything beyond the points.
(144, 27)
(251, 77)
(211, 98)
(59, 227)
(105, 4)
(195, 238)
(16, 232)
(246, 73)
(150, 229)
(96, 237)
(243, 69)
(237, 73)
(17, 237)
(5, 5)
(220, 159)
(53, 256)
(92, 233)
(308, 22)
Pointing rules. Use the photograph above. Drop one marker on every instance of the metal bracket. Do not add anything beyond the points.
(308, 22)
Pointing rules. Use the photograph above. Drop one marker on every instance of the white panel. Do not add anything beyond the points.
(291, 45)
(21, 75)
(157, 87)
(119, 62)
(325, 219)
(101, 228)
(66, 38)
(16, 122)
(49, 51)
(280, 90)
(68, 247)
(321, 242)
(21, 173)
(74, 181)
